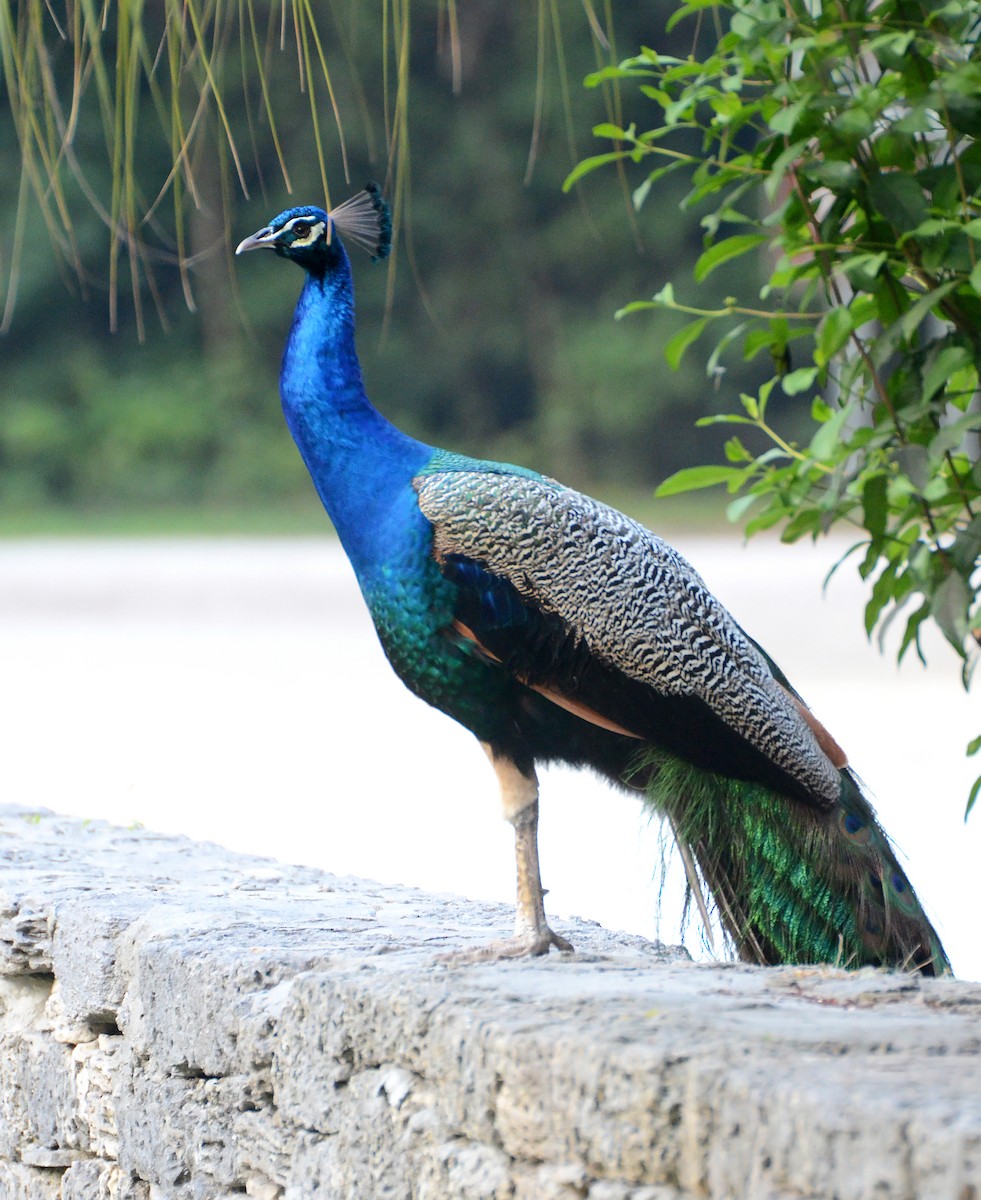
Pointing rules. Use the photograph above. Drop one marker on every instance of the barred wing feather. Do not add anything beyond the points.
(626, 598)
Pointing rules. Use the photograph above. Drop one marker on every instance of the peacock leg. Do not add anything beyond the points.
(532, 935)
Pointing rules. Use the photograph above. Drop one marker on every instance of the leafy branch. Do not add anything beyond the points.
(838, 145)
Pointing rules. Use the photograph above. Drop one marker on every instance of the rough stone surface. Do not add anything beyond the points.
(180, 1022)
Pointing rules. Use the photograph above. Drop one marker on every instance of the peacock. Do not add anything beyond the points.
(556, 629)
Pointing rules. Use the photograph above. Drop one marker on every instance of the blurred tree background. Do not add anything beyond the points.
(493, 334)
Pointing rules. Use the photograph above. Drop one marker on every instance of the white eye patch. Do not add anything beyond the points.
(299, 225)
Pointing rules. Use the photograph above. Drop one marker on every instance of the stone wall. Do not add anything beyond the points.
(177, 1021)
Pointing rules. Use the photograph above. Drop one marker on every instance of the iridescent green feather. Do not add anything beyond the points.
(793, 883)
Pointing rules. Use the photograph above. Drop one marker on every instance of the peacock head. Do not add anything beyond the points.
(307, 235)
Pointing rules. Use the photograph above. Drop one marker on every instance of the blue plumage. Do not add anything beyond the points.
(557, 629)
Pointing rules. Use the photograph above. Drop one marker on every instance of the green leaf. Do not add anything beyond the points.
(784, 120)
(766, 520)
(726, 107)
(975, 789)
(964, 112)
(962, 385)
(632, 69)
(736, 452)
(731, 335)
(950, 606)
(875, 506)
(614, 132)
(833, 173)
(917, 120)
(853, 124)
(931, 227)
(687, 9)
(737, 509)
(911, 636)
(899, 198)
(784, 161)
(642, 191)
(833, 332)
(636, 306)
(951, 437)
(910, 320)
(663, 299)
(896, 150)
(691, 479)
(973, 746)
(883, 590)
(798, 381)
(756, 340)
(825, 441)
(807, 520)
(590, 164)
(723, 419)
(967, 548)
(943, 366)
(674, 350)
(726, 250)
(863, 269)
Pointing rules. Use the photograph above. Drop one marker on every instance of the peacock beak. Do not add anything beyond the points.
(262, 237)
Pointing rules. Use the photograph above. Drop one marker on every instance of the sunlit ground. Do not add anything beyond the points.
(233, 690)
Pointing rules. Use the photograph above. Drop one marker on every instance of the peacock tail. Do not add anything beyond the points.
(790, 882)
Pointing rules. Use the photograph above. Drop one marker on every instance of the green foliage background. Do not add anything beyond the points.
(838, 143)
(495, 334)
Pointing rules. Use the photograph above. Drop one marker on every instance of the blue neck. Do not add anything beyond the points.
(358, 460)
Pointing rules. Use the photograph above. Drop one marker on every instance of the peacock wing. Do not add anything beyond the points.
(595, 611)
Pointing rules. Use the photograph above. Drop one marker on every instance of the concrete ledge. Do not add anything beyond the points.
(177, 1021)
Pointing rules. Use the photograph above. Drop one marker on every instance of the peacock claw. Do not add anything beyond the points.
(532, 944)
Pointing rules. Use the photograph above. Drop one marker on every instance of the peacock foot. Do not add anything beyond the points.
(531, 943)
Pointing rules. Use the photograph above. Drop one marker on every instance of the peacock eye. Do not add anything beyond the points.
(301, 229)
